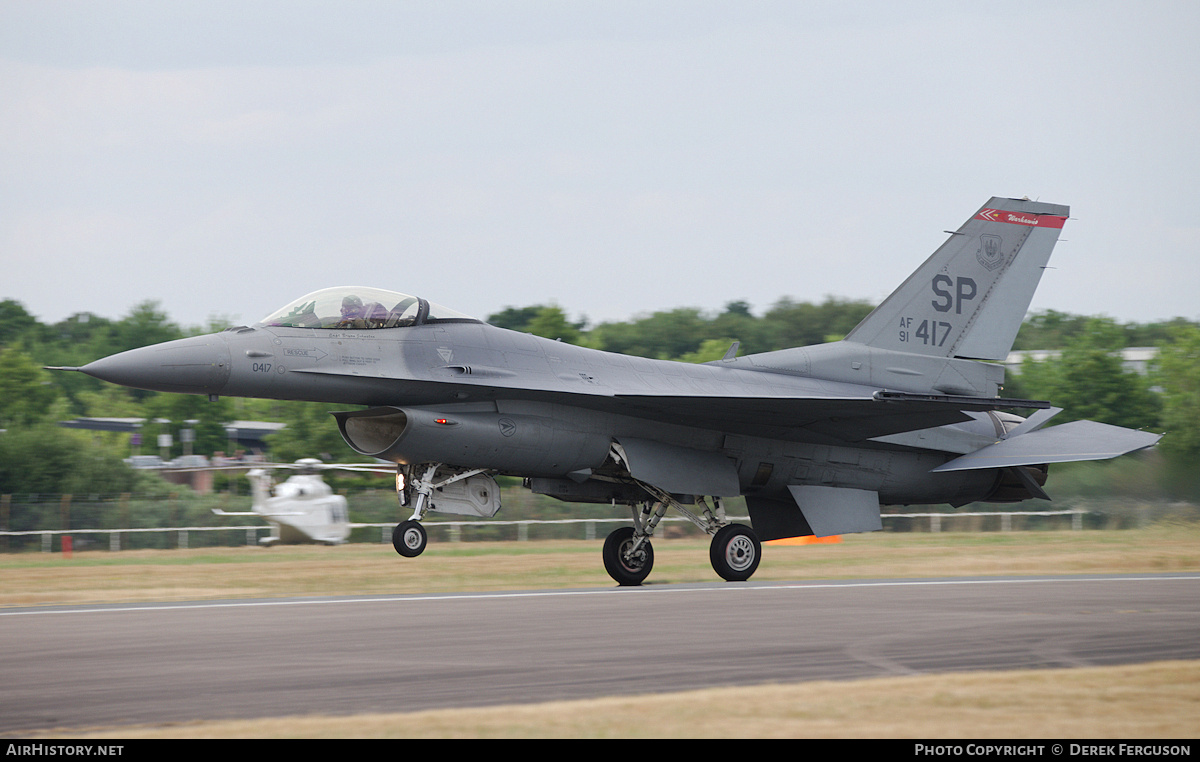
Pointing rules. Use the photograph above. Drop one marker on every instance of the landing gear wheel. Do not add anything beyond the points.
(735, 552)
(409, 538)
(627, 571)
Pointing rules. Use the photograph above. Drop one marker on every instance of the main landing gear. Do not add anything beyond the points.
(628, 555)
(735, 552)
(626, 559)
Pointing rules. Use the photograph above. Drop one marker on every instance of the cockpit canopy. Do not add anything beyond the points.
(355, 307)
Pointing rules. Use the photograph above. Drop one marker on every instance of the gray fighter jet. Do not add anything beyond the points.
(905, 410)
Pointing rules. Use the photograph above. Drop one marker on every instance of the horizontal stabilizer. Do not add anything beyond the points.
(1078, 440)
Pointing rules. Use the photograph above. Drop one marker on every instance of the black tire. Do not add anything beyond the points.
(735, 552)
(409, 538)
(627, 572)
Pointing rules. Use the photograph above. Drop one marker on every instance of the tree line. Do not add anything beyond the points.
(1087, 378)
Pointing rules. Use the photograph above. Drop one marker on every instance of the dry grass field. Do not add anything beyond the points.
(1141, 701)
(100, 576)
(1151, 701)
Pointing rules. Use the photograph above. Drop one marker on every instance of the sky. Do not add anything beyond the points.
(613, 157)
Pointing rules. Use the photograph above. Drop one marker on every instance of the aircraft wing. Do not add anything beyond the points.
(818, 419)
(817, 412)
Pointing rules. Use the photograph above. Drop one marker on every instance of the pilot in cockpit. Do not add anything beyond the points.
(359, 308)
(375, 315)
(352, 313)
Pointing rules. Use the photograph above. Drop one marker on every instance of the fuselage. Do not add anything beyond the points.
(570, 402)
(906, 409)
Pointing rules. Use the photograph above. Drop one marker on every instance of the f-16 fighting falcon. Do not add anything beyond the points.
(906, 409)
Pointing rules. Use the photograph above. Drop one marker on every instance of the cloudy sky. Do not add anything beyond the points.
(616, 158)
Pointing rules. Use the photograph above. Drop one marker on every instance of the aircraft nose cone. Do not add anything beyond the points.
(197, 365)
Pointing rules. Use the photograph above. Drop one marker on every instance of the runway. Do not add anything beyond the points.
(115, 665)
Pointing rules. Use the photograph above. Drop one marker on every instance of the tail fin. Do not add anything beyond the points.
(969, 298)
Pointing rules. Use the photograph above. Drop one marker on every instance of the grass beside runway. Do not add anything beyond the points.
(1142, 701)
(99, 576)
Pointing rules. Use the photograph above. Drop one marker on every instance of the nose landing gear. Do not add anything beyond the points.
(409, 538)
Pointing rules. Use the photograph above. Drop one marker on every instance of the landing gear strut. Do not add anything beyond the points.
(628, 556)
(416, 485)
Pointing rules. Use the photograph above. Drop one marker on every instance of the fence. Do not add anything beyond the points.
(454, 529)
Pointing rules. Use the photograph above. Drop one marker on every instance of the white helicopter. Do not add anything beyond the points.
(303, 508)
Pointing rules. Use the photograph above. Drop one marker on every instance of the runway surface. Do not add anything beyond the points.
(106, 666)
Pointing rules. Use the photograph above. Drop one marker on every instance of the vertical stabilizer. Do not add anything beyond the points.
(969, 298)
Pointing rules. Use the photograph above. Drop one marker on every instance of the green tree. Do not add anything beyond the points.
(710, 350)
(1177, 372)
(515, 318)
(551, 323)
(662, 335)
(737, 322)
(146, 324)
(26, 391)
(203, 417)
(801, 324)
(546, 320)
(1090, 382)
(109, 401)
(311, 433)
(16, 323)
(1050, 330)
(46, 459)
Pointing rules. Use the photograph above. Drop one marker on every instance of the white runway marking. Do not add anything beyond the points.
(647, 590)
